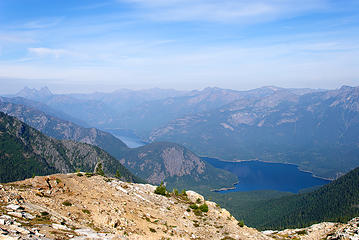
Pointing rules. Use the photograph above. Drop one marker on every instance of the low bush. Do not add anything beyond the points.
(197, 212)
(241, 223)
(204, 207)
(86, 211)
(193, 206)
(161, 189)
(67, 203)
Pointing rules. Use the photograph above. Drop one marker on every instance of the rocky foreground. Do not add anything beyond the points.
(79, 206)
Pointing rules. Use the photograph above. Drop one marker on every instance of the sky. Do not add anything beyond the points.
(88, 45)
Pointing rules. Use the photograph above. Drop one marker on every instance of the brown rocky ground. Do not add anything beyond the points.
(79, 206)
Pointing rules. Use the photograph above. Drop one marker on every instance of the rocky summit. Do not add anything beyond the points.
(80, 206)
(85, 206)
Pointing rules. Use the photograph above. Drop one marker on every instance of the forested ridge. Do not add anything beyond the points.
(25, 152)
(336, 201)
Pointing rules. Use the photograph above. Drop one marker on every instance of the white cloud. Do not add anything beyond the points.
(244, 11)
(43, 23)
(46, 52)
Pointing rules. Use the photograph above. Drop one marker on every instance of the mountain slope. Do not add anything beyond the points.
(78, 207)
(43, 108)
(155, 162)
(177, 166)
(25, 151)
(281, 127)
(102, 110)
(61, 129)
(336, 201)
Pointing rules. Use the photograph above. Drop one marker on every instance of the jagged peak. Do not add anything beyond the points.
(346, 88)
(27, 92)
(45, 91)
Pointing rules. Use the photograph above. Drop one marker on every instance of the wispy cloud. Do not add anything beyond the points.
(46, 52)
(43, 23)
(184, 43)
(222, 11)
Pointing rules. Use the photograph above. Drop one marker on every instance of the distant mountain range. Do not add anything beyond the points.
(314, 128)
(155, 162)
(318, 131)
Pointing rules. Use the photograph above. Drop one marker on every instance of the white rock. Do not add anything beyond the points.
(60, 227)
(268, 232)
(20, 229)
(8, 238)
(84, 231)
(13, 207)
(15, 214)
(193, 196)
(27, 215)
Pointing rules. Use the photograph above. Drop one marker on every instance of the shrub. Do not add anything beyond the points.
(183, 193)
(86, 211)
(79, 174)
(67, 203)
(117, 175)
(175, 191)
(161, 189)
(153, 230)
(88, 174)
(241, 223)
(193, 206)
(302, 232)
(197, 212)
(44, 213)
(204, 207)
(198, 200)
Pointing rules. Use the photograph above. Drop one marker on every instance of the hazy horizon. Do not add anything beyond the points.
(84, 46)
(57, 91)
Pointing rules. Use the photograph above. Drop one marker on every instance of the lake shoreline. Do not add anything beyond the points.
(263, 161)
(266, 175)
(225, 188)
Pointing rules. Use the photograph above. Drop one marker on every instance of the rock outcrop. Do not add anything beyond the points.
(320, 231)
(79, 206)
(75, 206)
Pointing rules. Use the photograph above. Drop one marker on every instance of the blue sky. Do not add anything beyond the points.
(87, 45)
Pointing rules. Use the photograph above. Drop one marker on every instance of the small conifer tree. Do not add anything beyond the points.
(117, 175)
(99, 170)
(161, 189)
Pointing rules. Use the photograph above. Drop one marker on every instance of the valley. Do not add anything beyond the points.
(179, 120)
(286, 167)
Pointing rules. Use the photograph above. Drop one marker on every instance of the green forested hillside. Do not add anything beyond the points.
(156, 162)
(55, 127)
(177, 166)
(337, 201)
(25, 152)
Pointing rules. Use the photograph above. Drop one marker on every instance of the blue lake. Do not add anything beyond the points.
(131, 142)
(127, 136)
(257, 175)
